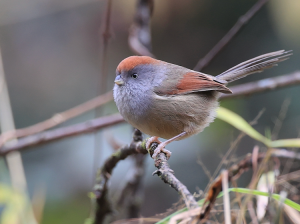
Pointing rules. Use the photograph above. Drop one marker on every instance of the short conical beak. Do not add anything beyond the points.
(119, 81)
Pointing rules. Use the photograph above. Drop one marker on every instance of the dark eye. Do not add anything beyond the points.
(134, 75)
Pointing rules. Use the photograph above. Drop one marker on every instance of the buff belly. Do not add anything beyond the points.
(172, 115)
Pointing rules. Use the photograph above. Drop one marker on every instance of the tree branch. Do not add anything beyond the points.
(139, 38)
(203, 62)
(60, 133)
(167, 175)
(106, 34)
(131, 196)
(138, 146)
(103, 206)
(57, 118)
(263, 85)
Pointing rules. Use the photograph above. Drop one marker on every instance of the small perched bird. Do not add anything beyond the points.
(172, 102)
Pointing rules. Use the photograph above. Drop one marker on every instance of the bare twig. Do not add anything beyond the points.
(139, 38)
(288, 177)
(167, 175)
(103, 206)
(59, 133)
(57, 118)
(231, 149)
(264, 85)
(112, 141)
(204, 168)
(252, 212)
(106, 35)
(279, 120)
(105, 38)
(133, 189)
(203, 62)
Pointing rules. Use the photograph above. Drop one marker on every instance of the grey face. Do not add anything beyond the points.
(133, 91)
(141, 76)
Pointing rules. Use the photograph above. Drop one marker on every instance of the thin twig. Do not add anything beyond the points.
(105, 39)
(167, 175)
(102, 80)
(263, 85)
(57, 118)
(252, 212)
(112, 141)
(131, 193)
(279, 120)
(289, 176)
(103, 206)
(139, 38)
(231, 149)
(204, 168)
(60, 133)
(203, 62)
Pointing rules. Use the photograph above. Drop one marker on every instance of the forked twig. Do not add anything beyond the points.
(103, 206)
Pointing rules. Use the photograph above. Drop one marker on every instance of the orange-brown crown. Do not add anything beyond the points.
(132, 61)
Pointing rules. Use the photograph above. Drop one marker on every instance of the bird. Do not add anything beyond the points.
(172, 102)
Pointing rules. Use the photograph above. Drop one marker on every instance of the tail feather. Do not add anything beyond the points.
(254, 65)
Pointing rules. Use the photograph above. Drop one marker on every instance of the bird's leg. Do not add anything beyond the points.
(161, 145)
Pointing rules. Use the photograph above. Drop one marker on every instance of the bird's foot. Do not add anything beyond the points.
(160, 148)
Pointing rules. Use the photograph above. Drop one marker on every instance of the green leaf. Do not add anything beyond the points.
(260, 193)
(290, 143)
(239, 123)
(239, 190)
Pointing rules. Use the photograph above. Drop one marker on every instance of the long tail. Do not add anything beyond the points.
(253, 65)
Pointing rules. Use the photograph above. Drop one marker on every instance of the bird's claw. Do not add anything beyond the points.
(160, 148)
(152, 140)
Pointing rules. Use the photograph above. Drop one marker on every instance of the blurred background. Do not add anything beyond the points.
(51, 52)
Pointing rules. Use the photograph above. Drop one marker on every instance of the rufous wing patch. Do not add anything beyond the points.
(129, 63)
(197, 82)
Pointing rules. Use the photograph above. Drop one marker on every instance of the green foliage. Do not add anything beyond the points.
(239, 190)
(239, 123)
(288, 202)
(15, 206)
